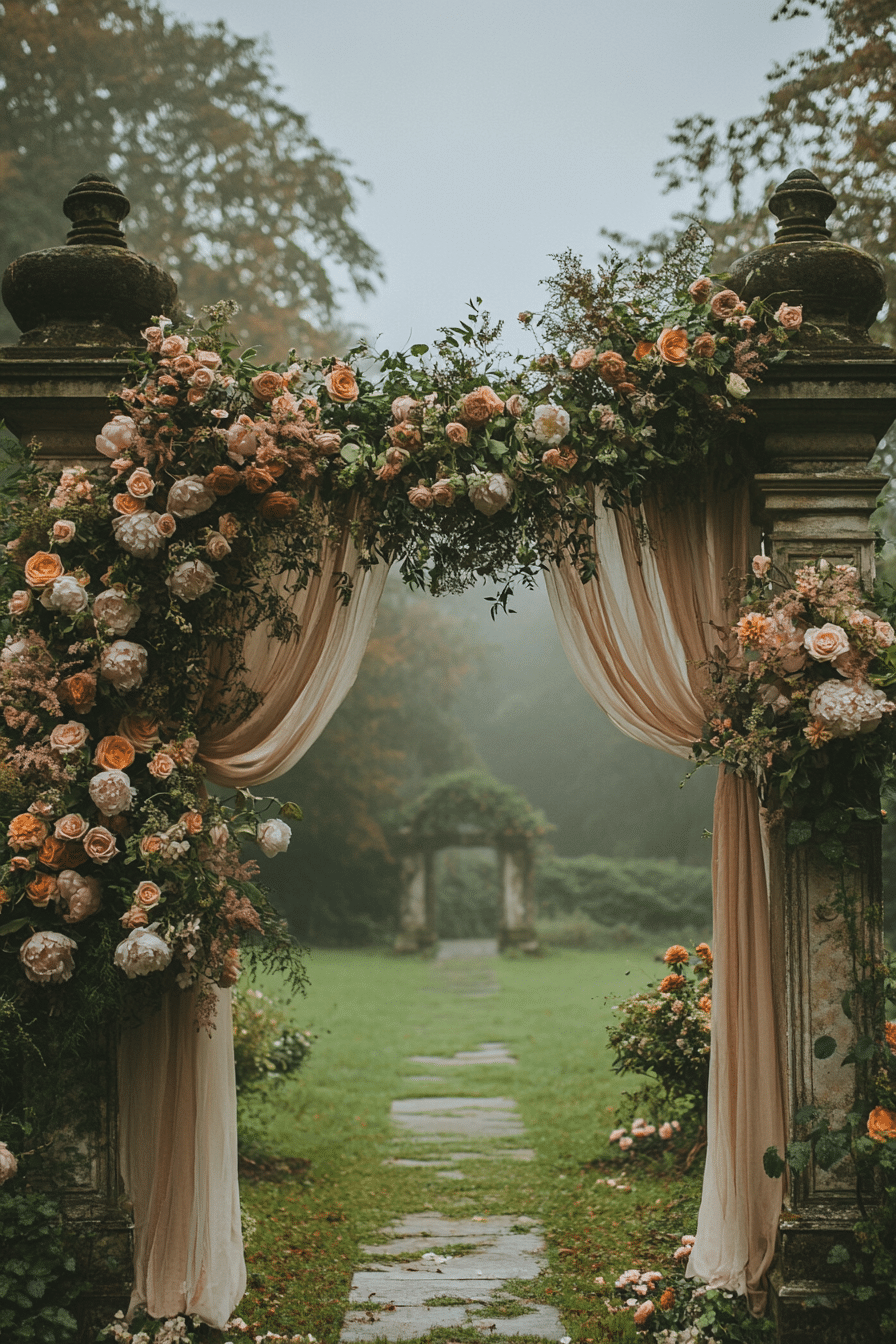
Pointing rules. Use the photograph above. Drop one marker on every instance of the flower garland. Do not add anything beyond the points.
(802, 699)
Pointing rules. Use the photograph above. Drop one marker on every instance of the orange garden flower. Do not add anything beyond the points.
(890, 1035)
(114, 753)
(278, 505)
(27, 832)
(611, 367)
(705, 1003)
(42, 569)
(481, 405)
(670, 983)
(667, 1301)
(882, 1124)
(41, 889)
(341, 383)
(676, 955)
(672, 345)
(141, 730)
(643, 349)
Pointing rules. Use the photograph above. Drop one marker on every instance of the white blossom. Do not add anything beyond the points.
(190, 580)
(66, 595)
(190, 496)
(489, 494)
(274, 837)
(142, 952)
(551, 424)
(137, 534)
(115, 611)
(46, 957)
(737, 387)
(112, 793)
(124, 664)
(117, 436)
(848, 708)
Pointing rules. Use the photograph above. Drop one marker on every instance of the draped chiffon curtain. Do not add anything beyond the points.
(636, 635)
(177, 1092)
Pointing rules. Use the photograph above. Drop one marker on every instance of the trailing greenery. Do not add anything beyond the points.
(38, 1284)
(468, 802)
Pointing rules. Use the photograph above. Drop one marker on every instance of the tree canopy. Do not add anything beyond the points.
(230, 191)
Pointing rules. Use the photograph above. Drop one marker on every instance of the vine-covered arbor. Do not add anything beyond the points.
(468, 809)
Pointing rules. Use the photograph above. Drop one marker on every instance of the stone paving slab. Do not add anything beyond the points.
(473, 1117)
(412, 1290)
(490, 1052)
(414, 1322)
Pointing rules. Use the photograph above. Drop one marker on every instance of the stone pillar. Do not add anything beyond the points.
(517, 925)
(821, 414)
(417, 932)
(80, 307)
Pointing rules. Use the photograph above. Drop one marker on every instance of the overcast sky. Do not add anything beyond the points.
(497, 132)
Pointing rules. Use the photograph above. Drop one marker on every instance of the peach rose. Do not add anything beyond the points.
(724, 304)
(194, 396)
(53, 853)
(209, 359)
(161, 765)
(183, 365)
(192, 821)
(328, 443)
(172, 346)
(19, 602)
(420, 496)
(42, 569)
(141, 730)
(153, 338)
(229, 526)
(701, 289)
(443, 493)
(147, 895)
(790, 316)
(41, 889)
(404, 435)
(643, 349)
(216, 546)
(515, 405)
(258, 479)
(457, 433)
(222, 479)
(151, 844)
(100, 844)
(71, 827)
(202, 379)
(79, 691)
(166, 525)
(278, 505)
(127, 505)
(704, 347)
(582, 358)
(761, 565)
(827, 642)
(27, 832)
(141, 484)
(403, 406)
(341, 383)
(63, 531)
(676, 955)
(672, 345)
(113, 753)
(480, 405)
(611, 367)
(134, 918)
(68, 737)
(265, 386)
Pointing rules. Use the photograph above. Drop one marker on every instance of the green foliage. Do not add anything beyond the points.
(468, 892)
(37, 1274)
(265, 1049)
(230, 189)
(471, 803)
(641, 894)
(663, 1032)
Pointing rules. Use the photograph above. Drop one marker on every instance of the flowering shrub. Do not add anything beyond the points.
(802, 699)
(644, 1136)
(264, 1051)
(664, 1031)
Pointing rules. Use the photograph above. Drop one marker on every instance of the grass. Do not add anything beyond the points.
(370, 1012)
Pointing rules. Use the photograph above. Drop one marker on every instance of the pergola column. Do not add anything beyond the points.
(517, 926)
(821, 414)
(417, 912)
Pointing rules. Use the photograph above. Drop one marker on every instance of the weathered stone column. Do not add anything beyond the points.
(821, 414)
(80, 307)
(417, 914)
(517, 927)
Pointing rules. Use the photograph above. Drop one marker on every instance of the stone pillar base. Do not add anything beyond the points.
(408, 942)
(521, 939)
(807, 1299)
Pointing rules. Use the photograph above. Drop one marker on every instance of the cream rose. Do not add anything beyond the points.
(737, 387)
(68, 737)
(420, 496)
(81, 895)
(516, 404)
(71, 827)
(209, 359)
(112, 793)
(191, 580)
(113, 610)
(490, 494)
(99, 844)
(20, 602)
(457, 433)
(190, 496)
(884, 634)
(273, 837)
(202, 379)
(217, 546)
(140, 484)
(65, 595)
(827, 642)
(403, 406)
(341, 383)
(8, 1164)
(242, 441)
(551, 424)
(63, 531)
(142, 952)
(47, 959)
(117, 436)
(124, 664)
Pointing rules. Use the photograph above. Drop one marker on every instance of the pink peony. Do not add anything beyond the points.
(489, 494)
(47, 959)
(124, 664)
(111, 792)
(80, 895)
(113, 610)
(191, 580)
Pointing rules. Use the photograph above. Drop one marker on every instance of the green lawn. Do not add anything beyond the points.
(370, 1011)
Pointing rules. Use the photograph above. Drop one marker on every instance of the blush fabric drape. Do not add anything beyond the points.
(636, 636)
(177, 1092)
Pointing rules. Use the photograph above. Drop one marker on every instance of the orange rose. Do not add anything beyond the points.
(890, 1035)
(480, 405)
(704, 346)
(52, 853)
(192, 821)
(223, 479)
(582, 358)
(133, 918)
(74, 855)
(672, 982)
(643, 349)
(265, 386)
(611, 367)
(43, 568)
(278, 505)
(704, 952)
(882, 1124)
(41, 889)
(341, 383)
(147, 895)
(151, 844)
(457, 433)
(672, 345)
(113, 753)
(127, 505)
(79, 691)
(705, 1003)
(141, 730)
(676, 955)
(405, 435)
(166, 525)
(27, 832)
(258, 479)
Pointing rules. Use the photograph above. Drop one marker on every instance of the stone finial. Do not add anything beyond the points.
(93, 292)
(96, 207)
(802, 204)
(841, 289)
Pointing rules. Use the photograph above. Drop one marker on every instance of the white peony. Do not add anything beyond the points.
(737, 387)
(81, 895)
(117, 436)
(115, 611)
(112, 793)
(190, 580)
(142, 952)
(124, 664)
(137, 534)
(274, 837)
(65, 595)
(190, 496)
(489, 494)
(47, 957)
(551, 424)
(8, 1164)
(847, 708)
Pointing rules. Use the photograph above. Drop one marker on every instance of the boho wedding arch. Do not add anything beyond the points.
(194, 604)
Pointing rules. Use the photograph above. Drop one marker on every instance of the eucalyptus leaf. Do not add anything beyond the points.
(824, 1047)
